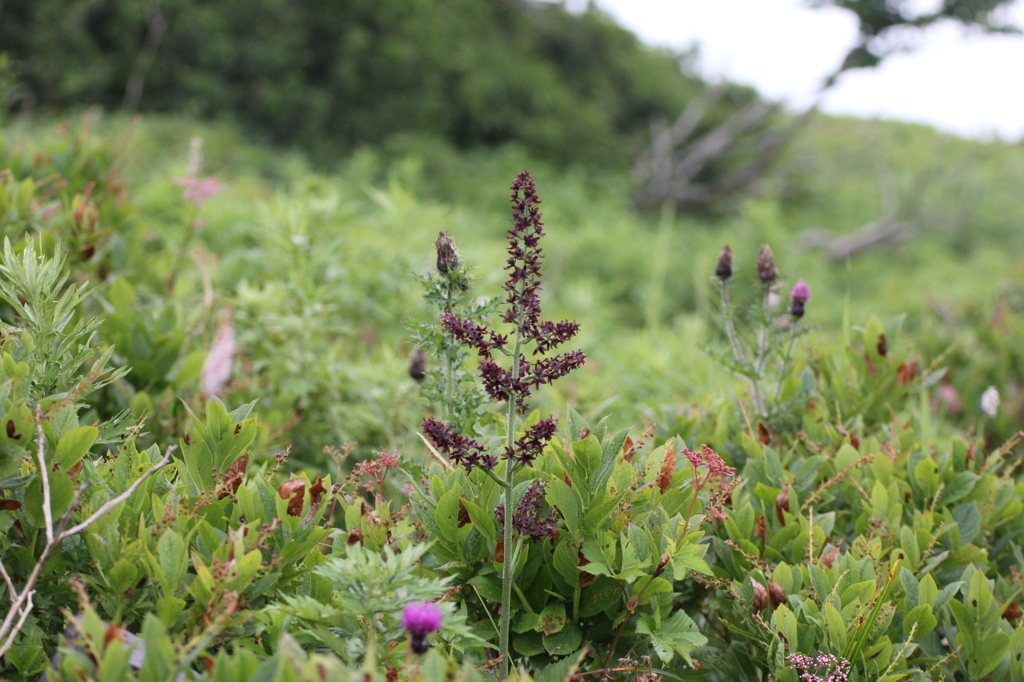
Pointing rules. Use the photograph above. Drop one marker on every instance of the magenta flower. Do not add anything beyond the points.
(420, 618)
(800, 295)
(198, 190)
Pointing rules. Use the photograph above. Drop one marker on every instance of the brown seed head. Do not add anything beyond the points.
(418, 366)
(447, 257)
(776, 595)
(668, 468)
(724, 269)
(760, 597)
(782, 504)
(766, 265)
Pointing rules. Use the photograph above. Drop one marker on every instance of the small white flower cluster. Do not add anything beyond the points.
(990, 401)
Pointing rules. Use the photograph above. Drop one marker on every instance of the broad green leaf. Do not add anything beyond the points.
(922, 617)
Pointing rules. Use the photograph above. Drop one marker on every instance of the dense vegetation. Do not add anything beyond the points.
(872, 513)
(285, 415)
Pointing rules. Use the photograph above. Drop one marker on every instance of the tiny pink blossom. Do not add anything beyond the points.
(198, 190)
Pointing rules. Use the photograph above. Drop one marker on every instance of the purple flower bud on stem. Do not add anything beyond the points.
(766, 265)
(724, 270)
(800, 295)
(420, 619)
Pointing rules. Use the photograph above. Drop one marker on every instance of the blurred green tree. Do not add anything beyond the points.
(330, 76)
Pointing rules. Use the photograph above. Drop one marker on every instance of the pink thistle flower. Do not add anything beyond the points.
(198, 190)
(799, 296)
(420, 619)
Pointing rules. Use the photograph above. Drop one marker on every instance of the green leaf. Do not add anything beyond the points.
(483, 521)
(173, 559)
(74, 445)
(447, 515)
(785, 624)
(678, 634)
(924, 619)
(576, 425)
(599, 596)
(927, 592)
(961, 485)
(565, 499)
(565, 641)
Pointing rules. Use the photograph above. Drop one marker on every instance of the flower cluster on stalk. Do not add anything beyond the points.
(523, 312)
(529, 519)
(822, 668)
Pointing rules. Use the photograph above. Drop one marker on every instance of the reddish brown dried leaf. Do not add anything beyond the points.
(668, 469)
(295, 504)
(463, 515)
(762, 433)
(781, 505)
(882, 346)
(355, 536)
(830, 557)
(1011, 612)
(759, 528)
(776, 595)
(112, 634)
(9, 505)
(75, 470)
(628, 449)
(871, 365)
(906, 373)
(288, 488)
(316, 493)
(499, 551)
(760, 597)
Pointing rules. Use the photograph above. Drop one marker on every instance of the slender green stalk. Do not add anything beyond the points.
(508, 564)
(762, 354)
(730, 328)
(448, 359)
(786, 359)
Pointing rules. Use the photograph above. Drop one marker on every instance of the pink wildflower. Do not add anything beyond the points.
(219, 361)
(198, 190)
(420, 619)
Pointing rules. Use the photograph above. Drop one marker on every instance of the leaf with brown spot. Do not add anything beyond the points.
(463, 514)
(871, 365)
(233, 477)
(906, 373)
(75, 470)
(882, 346)
(288, 488)
(355, 536)
(10, 430)
(762, 433)
(9, 505)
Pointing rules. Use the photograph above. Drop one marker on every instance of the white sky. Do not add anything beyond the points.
(959, 81)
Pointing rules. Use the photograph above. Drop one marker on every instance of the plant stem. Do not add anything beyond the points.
(762, 353)
(508, 564)
(730, 329)
(448, 361)
(785, 360)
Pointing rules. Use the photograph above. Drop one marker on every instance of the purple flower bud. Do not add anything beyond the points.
(724, 269)
(800, 295)
(766, 265)
(420, 619)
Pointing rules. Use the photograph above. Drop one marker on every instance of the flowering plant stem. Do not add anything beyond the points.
(508, 562)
